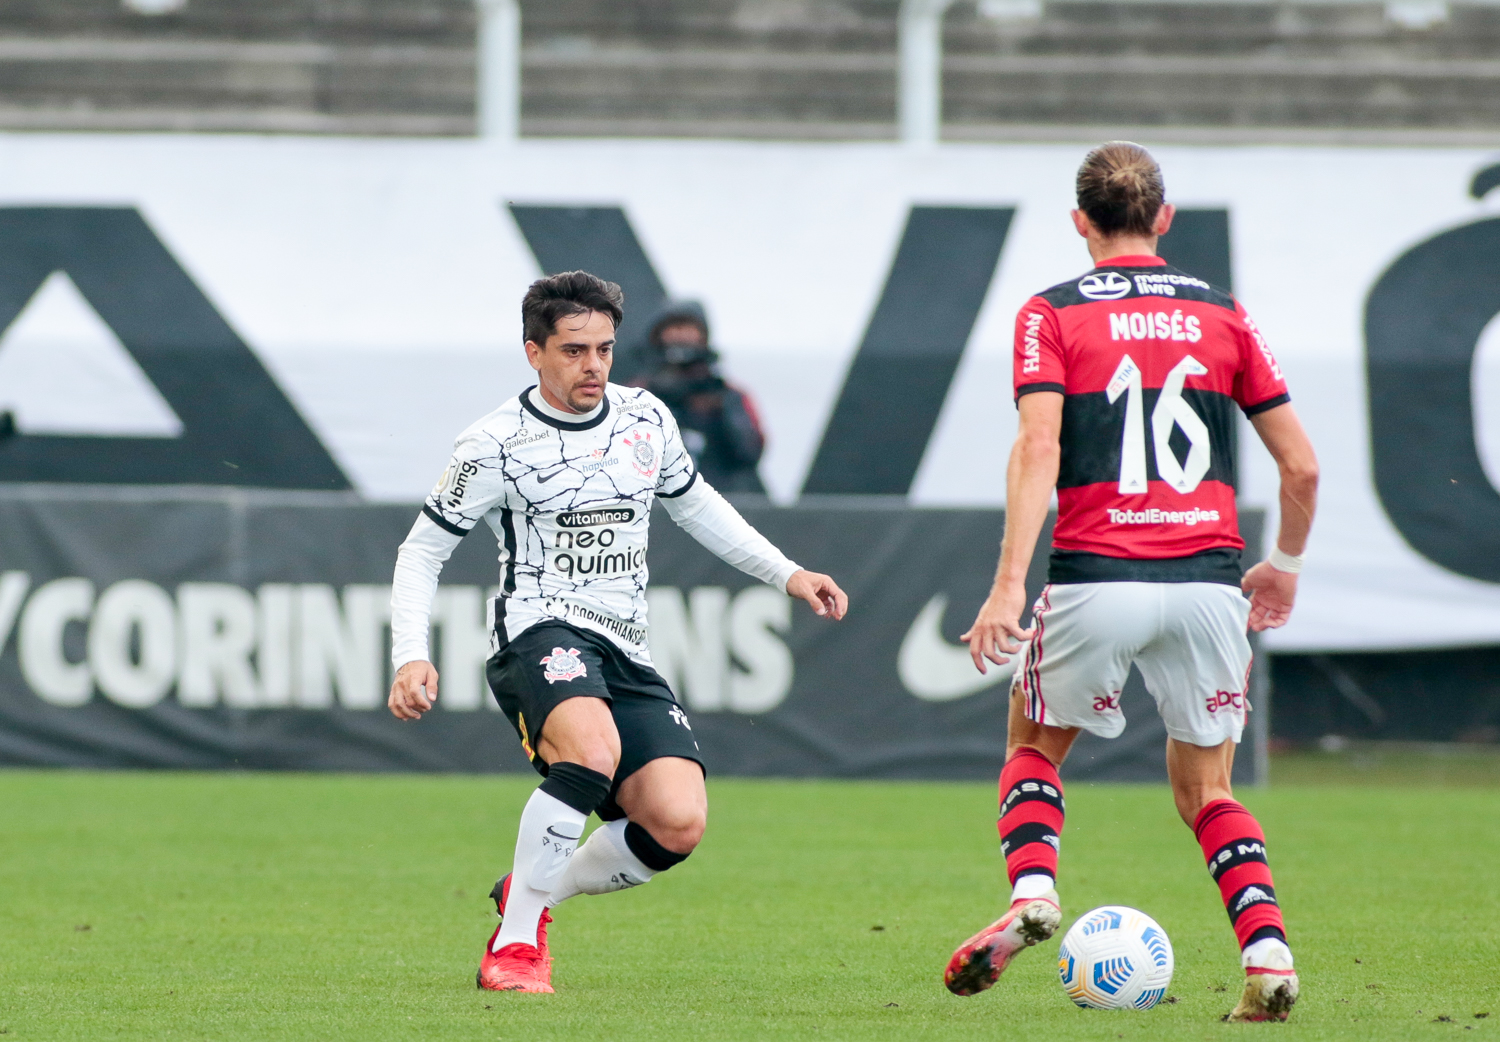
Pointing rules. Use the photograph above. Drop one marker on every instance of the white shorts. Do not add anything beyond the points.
(1187, 639)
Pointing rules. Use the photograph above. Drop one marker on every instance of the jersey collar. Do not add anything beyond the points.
(1133, 260)
(565, 425)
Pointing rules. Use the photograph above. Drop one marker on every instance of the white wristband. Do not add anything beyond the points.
(1285, 562)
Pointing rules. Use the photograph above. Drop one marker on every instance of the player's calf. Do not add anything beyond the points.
(1234, 847)
(1031, 822)
(665, 805)
(617, 856)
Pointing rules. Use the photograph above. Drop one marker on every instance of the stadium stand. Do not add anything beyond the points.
(812, 69)
(301, 66)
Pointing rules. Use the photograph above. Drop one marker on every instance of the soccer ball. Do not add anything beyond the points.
(1115, 958)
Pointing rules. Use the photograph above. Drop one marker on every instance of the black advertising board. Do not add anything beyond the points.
(230, 629)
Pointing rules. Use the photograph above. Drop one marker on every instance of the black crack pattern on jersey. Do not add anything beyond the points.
(549, 471)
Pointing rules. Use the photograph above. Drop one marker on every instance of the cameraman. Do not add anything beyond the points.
(719, 426)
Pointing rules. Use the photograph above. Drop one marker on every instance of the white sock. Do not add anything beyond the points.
(602, 865)
(1033, 884)
(544, 845)
(1268, 953)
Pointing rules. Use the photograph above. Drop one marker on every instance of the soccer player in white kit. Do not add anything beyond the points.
(565, 475)
(1127, 380)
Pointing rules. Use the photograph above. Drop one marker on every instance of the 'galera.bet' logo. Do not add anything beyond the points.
(1107, 285)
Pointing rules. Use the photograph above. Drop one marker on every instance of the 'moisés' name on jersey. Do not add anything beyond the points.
(570, 503)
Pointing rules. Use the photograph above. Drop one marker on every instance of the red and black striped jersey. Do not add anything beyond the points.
(1152, 363)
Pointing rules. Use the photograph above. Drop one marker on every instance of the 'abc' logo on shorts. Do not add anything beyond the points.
(1235, 701)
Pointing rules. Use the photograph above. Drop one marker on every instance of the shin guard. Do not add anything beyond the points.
(1031, 815)
(1235, 848)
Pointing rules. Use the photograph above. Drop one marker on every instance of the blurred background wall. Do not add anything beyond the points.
(315, 172)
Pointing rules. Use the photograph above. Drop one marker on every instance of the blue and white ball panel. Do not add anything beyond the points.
(1115, 958)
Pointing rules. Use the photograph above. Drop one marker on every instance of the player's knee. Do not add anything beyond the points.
(677, 826)
(598, 749)
(598, 755)
(657, 848)
(596, 752)
(686, 831)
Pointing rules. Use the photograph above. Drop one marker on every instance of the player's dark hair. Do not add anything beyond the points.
(1120, 188)
(565, 294)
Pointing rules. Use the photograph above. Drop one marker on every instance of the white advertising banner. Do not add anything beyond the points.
(379, 282)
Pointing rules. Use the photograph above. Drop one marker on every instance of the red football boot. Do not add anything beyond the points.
(516, 967)
(981, 959)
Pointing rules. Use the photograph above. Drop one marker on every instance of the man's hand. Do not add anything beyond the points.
(414, 691)
(820, 591)
(1272, 592)
(997, 626)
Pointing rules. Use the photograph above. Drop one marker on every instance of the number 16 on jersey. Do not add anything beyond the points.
(1171, 411)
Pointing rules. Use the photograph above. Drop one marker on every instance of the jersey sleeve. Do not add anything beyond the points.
(677, 473)
(707, 516)
(1259, 385)
(1039, 362)
(473, 483)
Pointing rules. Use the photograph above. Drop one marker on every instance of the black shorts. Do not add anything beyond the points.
(553, 662)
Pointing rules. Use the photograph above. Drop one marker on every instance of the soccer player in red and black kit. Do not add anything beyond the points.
(1127, 379)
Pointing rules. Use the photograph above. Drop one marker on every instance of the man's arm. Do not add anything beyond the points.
(707, 516)
(1273, 591)
(419, 562)
(1029, 481)
(473, 482)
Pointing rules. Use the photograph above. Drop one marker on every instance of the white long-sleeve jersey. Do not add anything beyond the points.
(569, 500)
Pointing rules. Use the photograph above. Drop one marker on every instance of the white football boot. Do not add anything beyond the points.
(1270, 983)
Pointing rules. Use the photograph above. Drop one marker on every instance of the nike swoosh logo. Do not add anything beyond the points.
(543, 480)
(936, 671)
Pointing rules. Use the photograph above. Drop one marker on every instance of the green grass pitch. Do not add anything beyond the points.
(157, 906)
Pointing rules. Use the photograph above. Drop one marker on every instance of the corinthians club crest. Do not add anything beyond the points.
(642, 452)
(563, 665)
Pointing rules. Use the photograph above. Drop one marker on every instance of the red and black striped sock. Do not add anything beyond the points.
(1031, 815)
(1235, 848)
